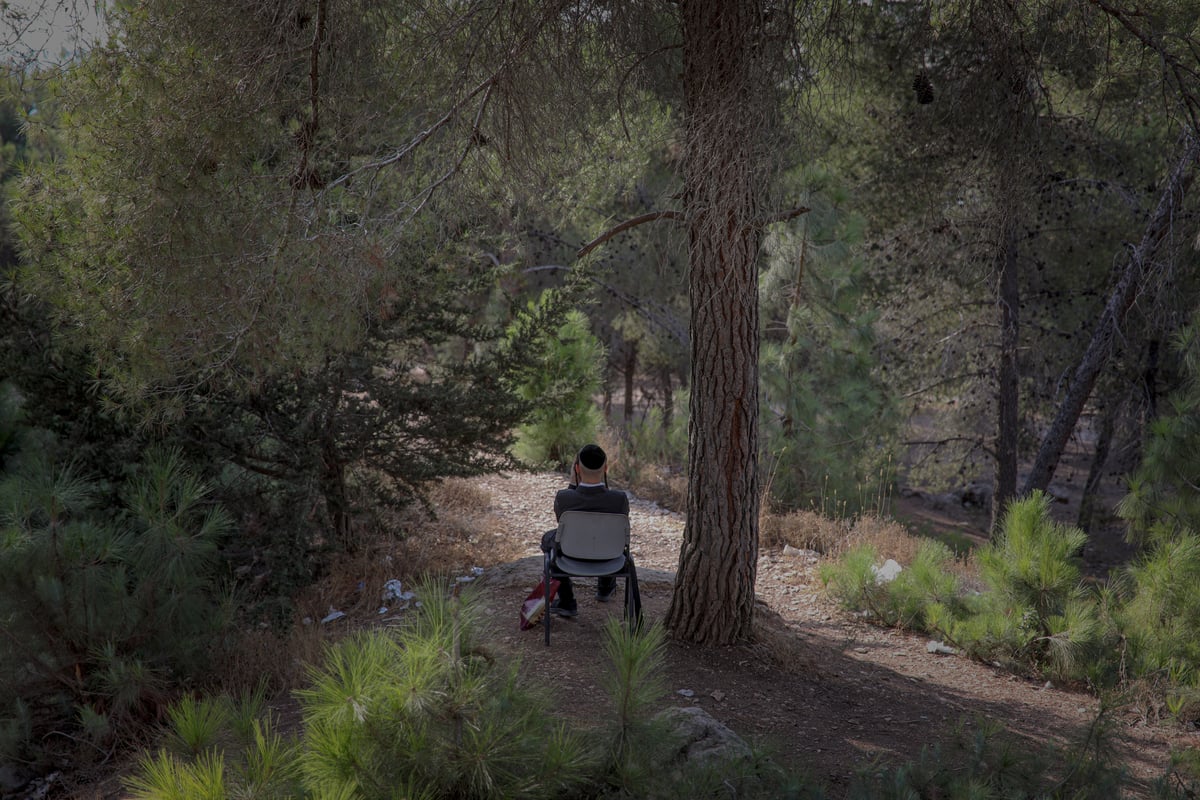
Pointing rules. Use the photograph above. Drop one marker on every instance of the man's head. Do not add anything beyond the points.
(591, 464)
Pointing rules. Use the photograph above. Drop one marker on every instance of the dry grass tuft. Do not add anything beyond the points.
(805, 530)
(662, 486)
(889, 538)
(460, 495)
(278, 659)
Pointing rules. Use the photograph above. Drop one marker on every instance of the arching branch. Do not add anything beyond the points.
(653, 216)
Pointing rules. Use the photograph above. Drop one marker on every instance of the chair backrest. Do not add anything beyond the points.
(592, 535)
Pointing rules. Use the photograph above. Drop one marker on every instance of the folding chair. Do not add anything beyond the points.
(590, 544)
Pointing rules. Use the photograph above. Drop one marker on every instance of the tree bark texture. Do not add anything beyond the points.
(1120, 299)
(713, 598)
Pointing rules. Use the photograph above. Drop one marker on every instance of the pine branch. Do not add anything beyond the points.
(1185, 78)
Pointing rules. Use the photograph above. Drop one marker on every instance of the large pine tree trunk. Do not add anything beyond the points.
(1133, 278)
(713, 598)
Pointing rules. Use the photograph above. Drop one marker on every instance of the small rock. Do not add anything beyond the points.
(718, 695)
(888, 572)
(703, 738)
(939, 648)
(686, 692)
(861, 650)
(333, 614)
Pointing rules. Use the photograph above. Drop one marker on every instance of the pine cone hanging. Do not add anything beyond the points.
(923, 87)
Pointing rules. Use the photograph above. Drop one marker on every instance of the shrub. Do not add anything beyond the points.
(910, 599)
(1035, 608)
(220, 749)
(422, 707)
(1161, 618)
(100, 616)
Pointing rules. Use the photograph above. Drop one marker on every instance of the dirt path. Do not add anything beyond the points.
(825, 691)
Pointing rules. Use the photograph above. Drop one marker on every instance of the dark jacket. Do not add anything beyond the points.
(590, 498)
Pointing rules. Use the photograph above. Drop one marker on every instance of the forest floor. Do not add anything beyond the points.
(823, 690)
(820, 689)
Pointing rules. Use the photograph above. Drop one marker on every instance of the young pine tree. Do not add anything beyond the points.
(561, 386)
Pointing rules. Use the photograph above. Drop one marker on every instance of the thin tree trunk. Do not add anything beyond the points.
(1150, 379)
(1009, 378)
(1087, 503)
(631, 352)
(1100, 347)
(606, 401)
(713, 598)
(668, 398)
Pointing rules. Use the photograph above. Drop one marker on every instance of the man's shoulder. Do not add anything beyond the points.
(589, 498)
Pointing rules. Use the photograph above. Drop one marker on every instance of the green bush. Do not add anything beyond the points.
(1036, 608)
(100, 615)
(219, 749)
(1161, 618)
(917, 597)
(422, 707)
(851, 579)
(653, 441)
(422, 712)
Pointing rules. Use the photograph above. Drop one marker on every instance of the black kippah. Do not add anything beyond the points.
(592, 457)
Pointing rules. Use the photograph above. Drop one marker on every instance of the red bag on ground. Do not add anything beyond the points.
(535, 604)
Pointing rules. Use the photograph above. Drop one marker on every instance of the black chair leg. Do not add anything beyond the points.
(628, 600)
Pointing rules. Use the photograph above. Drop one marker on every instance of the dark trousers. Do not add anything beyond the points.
(566, 592)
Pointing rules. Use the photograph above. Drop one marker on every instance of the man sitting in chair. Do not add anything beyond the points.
(589, 492)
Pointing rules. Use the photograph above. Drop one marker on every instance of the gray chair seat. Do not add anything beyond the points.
(590, 544)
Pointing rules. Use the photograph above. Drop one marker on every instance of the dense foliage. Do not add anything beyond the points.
(101, 614)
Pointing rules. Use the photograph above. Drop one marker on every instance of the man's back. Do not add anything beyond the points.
(590, 498)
